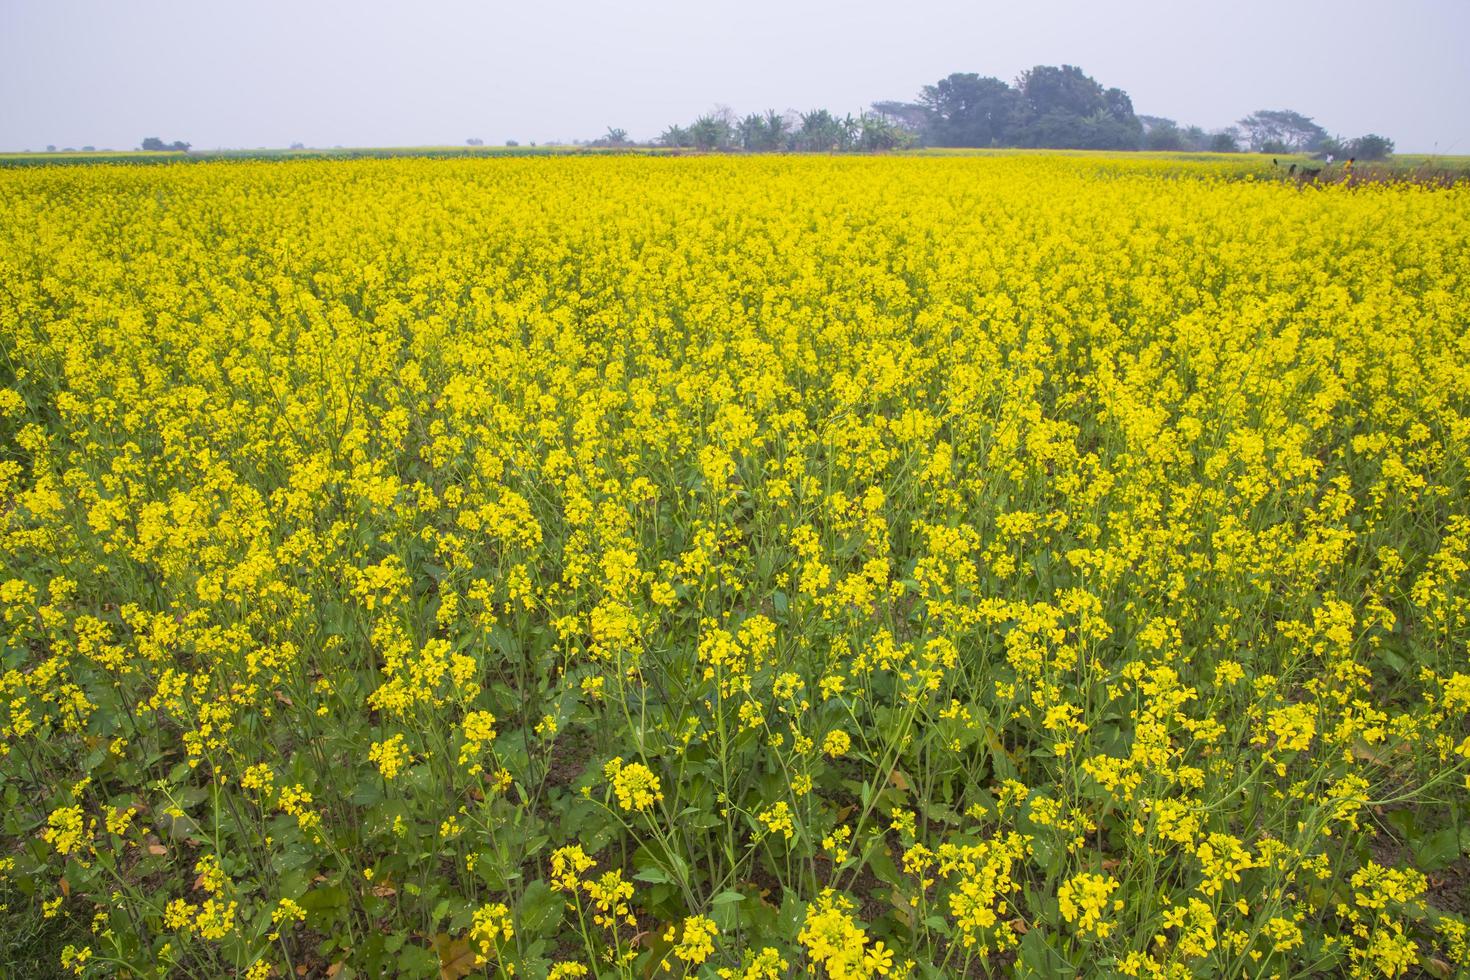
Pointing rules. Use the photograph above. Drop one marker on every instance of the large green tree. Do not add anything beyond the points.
(966, 109)
(1282, 131)
(1067, 108)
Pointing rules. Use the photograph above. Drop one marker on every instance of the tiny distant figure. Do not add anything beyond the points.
(1275, 162)
(1291, 169)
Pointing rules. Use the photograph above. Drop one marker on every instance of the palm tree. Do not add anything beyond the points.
(775, 131)
(709, 133)
(820, 132)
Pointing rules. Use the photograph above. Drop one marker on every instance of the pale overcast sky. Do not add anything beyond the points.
(376, 73)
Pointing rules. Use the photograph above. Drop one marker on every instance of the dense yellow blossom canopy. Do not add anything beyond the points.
(639, 566)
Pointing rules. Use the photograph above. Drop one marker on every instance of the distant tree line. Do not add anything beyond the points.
(1285, 131)
(817, 131)
(156, 145)
(1047, 107)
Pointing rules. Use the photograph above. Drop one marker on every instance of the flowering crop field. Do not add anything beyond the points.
(738, 567)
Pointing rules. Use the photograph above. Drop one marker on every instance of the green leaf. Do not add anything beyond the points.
(882, 864)
(1046, 854)
(1039, 959)
(1438, 850)
(324, 899)
(727, 897)
(791, 912)
(652, 874)
(540, 910)
(417, 961)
